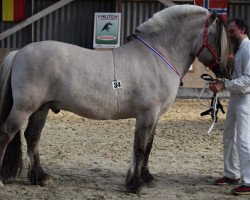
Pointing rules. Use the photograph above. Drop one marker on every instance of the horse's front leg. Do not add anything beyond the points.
(145, 126)
(146, 176)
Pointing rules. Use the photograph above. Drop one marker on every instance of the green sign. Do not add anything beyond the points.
(107, 30)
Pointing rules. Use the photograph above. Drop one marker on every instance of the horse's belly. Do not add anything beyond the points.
(101, 107)
(100, 113)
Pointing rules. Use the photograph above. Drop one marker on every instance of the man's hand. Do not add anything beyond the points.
(217, 86)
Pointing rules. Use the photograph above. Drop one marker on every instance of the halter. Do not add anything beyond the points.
(217, 58)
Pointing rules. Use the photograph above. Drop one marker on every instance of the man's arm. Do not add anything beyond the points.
(217, 86)
(238, 85)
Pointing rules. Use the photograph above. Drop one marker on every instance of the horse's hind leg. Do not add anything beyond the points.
(145, 126)
(9, 162)
(32, 134)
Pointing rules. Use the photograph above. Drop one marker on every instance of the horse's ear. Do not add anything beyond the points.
(213, 16)
(137, 30)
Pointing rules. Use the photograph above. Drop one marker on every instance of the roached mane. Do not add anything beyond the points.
(164, 18)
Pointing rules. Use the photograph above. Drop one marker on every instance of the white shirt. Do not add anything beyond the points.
(240, 82)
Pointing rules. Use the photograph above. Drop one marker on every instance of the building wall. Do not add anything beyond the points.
(73, 23)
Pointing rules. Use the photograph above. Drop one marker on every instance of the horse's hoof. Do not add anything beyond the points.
(46, 181)
(135, 188)
(147, 177)
(1, 184)
(134, 185)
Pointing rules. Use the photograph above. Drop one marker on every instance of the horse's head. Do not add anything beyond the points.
(213, 50)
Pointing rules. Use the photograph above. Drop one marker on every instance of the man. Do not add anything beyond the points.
(236, 136)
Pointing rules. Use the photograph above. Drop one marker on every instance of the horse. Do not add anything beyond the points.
(137, 80)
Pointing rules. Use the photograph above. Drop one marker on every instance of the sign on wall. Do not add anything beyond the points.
(107, 30)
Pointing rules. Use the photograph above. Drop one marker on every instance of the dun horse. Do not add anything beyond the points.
(138, 80)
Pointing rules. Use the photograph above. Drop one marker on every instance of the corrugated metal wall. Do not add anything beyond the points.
(24, 36)
(74, 22)
(240, 9)
(137, 12)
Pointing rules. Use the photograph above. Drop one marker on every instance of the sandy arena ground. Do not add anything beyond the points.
(89, 159)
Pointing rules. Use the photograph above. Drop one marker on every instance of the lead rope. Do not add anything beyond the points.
(215, 100)
(214, 113)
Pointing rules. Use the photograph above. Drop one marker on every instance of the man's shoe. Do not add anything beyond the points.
(227, 181)
(242, 190)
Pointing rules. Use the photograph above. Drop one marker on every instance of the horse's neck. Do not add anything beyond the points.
(178, 44)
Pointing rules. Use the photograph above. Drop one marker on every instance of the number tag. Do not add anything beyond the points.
(116, 84)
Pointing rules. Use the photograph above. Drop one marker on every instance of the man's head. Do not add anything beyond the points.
(237, 31)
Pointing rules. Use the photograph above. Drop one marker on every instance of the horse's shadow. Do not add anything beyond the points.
(104, 179)
(93, 178)
(191, 184)
(183, 179)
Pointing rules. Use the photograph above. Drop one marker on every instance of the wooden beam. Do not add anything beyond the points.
(167, 2)
(34, 18)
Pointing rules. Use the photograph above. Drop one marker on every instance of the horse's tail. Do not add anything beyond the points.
(12, 161)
